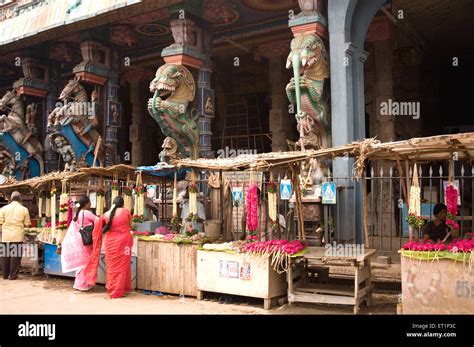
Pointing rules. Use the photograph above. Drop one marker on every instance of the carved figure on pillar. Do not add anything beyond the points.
(77, 121)
(174, 88)
(309, 60)
(61, 145)
(7, 162)
(17, 136)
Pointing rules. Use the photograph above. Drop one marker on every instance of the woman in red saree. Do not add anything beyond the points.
(114, 228)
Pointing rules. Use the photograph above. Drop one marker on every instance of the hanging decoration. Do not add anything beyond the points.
(175, 218)
(53, 214)
(272, 204)
(252, 208)
(48, 204)
(63, 215)
(115, 188)
(100, 200)
(139, 207)
(451, 194)
(414, 210)
(127, 195)
(40, 204)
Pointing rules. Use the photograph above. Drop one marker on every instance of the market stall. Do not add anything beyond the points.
(51, 210)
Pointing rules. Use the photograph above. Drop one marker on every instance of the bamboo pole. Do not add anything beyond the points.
(299, 212)
(96, 151)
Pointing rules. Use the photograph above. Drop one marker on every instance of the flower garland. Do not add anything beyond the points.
(100, 202)
(465, 245)
(40, 205)
(139, 207)
(63, 216)
(252, 208)
(272, 205)
(48, 204)
(175, 219)
(53, 214)
(193, 191)
(127, 197)
(452, 205)
(114, 190)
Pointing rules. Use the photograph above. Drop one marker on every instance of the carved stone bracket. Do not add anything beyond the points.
(273, 49)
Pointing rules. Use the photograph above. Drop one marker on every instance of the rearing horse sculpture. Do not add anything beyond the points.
(20, 139)
(78, 113)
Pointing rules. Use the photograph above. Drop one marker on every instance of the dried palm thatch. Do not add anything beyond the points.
(433, 148)
(83, 175)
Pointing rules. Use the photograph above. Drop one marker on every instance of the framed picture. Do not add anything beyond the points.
(114, 117)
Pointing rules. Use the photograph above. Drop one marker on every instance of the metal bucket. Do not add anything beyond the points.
(212, 228)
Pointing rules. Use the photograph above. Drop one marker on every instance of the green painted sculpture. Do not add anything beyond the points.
(174, 88)
(309, 60)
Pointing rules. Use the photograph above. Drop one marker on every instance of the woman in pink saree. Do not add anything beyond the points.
(74, 255)
(114, 228)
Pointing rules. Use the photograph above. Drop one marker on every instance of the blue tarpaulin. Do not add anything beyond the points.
(164, 170)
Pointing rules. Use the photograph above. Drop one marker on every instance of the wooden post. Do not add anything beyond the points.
(299, 212)
(96, 151)
(400, 174)
(366, 222)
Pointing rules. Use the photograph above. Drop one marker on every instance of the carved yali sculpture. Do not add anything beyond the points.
(18, 137)
(309, 60)
(169, 151)
(174, 88)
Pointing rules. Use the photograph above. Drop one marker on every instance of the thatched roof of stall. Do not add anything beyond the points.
(433, 148)
(81, 175)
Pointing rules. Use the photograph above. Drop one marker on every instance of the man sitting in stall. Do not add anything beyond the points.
(437, 230)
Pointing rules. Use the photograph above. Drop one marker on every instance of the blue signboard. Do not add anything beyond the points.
(329, 193)
(285, 189)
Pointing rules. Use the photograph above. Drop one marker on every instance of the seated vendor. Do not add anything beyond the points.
(437, 230)
(198, 225)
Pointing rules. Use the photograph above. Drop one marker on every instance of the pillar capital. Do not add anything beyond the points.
(273, 49)
(136, 75)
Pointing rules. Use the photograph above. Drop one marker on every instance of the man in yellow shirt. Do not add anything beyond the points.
(13, 218)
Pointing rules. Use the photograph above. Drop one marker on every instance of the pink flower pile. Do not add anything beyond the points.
(461, 245)
(252, 238)
(428, 246)
(141, 233)
(162, 230)
(275, 246)
(457, 245)
(169, 237)
(252, 208)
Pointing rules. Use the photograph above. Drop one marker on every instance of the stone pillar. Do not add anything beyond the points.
(188, 51)
(134, 77)
(348, 24)
(276, 53)
(111, 129)
(50, 156)
(380, 34)
(206, 104)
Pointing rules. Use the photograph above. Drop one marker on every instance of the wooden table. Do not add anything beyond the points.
(302, 289)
